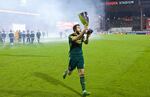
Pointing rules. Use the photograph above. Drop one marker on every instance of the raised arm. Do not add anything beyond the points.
(75, 38)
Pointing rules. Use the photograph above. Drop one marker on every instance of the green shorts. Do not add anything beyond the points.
(76, 61)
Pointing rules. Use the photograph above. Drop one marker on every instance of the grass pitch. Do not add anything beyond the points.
(115, 65)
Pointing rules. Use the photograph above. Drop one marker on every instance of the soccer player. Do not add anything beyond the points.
(32, 36)
(38, 36)
(11, 37)
(3, 37)
(28, 36)
(23, 36)
(20, 36)
(76, 56)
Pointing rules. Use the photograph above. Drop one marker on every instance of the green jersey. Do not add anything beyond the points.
(75, 46)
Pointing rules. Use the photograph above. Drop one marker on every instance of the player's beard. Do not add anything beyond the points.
(78, 32)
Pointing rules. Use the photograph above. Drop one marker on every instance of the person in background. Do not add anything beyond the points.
(32, 36)
(11, 37)
(23, 36)
(28, 36)
(20, 35)
(3, 37)
(0, 37)
(17, 35)
(38, 35)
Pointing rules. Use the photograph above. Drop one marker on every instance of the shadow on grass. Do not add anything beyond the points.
(40, 93)
(31, 93)
(11, 55)
(54, 81)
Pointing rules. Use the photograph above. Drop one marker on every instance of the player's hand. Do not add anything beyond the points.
(89, 34)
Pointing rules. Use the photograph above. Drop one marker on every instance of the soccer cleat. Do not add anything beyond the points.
(65, 74)
(85, 93)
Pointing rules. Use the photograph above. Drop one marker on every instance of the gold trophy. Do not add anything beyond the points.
(83, 16)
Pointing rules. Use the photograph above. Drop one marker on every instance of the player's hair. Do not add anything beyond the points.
(75, 26)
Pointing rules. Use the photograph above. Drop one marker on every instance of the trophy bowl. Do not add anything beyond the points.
(83, 16)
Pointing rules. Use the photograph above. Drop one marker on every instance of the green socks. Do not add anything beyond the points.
(82, 81)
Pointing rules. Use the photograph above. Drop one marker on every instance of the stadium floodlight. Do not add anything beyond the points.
(18, 12)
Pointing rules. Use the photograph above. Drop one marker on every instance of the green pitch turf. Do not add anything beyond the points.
(115, 65)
